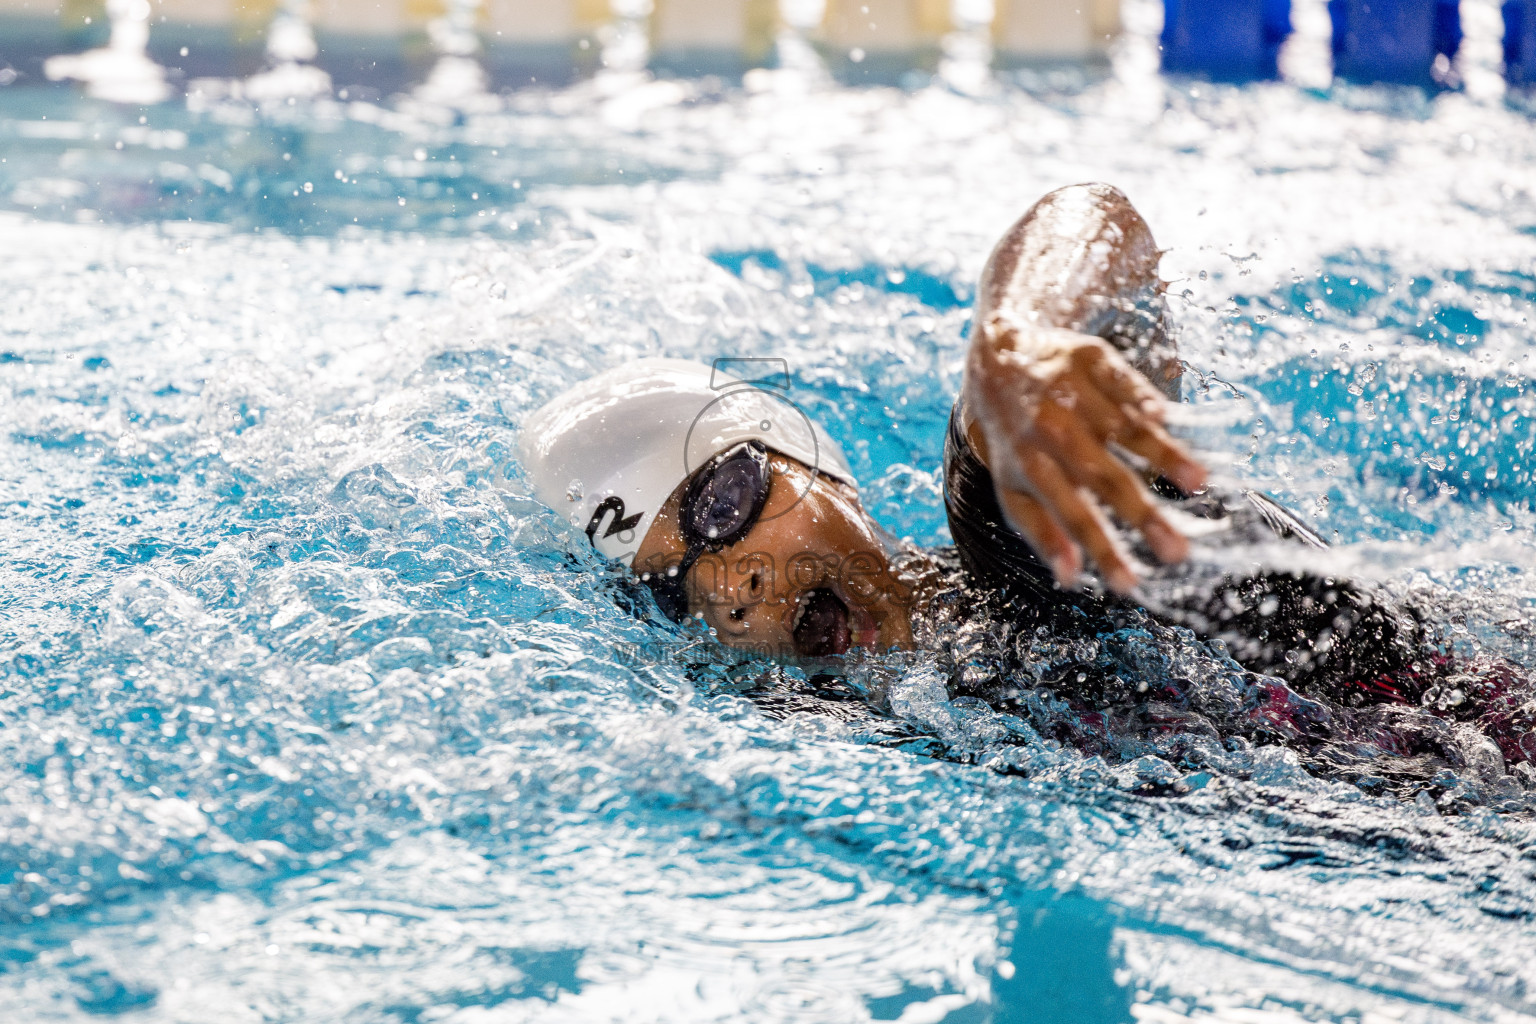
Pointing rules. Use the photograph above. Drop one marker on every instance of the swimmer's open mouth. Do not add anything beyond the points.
(821, 625)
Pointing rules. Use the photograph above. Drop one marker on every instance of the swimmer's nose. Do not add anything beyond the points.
(735, 621)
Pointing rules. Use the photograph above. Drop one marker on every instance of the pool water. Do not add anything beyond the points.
(307, 715)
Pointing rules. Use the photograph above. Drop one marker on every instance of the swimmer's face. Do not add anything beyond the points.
(810, 579)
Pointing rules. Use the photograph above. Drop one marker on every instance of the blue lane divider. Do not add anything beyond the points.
(1520, 42)
(1229, 40)
(1393, 40)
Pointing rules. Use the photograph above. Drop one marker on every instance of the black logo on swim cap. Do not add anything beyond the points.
(614, 504)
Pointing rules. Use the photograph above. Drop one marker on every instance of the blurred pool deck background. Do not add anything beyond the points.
(147, 50)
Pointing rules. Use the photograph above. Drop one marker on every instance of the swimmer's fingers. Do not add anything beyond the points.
(1137, 423)
(1096, 468)
(1109, 419)
(1136, 432)
(1121, 382)
(1168, 457)
(1075, 514)
(1045, 536)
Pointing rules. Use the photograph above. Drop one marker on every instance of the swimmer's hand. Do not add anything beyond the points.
(1052, 405)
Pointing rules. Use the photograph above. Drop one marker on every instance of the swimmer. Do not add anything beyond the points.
(1062, 485)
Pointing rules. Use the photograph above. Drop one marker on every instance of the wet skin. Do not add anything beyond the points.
(1064, 375)
(812, 578)
(1065, 386)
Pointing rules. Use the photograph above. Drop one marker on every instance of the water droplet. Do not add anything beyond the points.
(573, 491)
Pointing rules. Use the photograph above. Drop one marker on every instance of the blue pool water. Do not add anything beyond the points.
(306, 716)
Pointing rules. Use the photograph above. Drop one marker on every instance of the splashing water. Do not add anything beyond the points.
(308, 713)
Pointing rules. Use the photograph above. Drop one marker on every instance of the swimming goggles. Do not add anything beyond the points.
(722, 503)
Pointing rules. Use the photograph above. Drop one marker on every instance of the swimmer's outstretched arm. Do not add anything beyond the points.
(1048, 392)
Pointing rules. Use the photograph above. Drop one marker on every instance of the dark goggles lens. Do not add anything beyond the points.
(721, 505)
(726, 498)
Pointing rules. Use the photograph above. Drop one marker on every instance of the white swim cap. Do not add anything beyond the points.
(609, 452)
